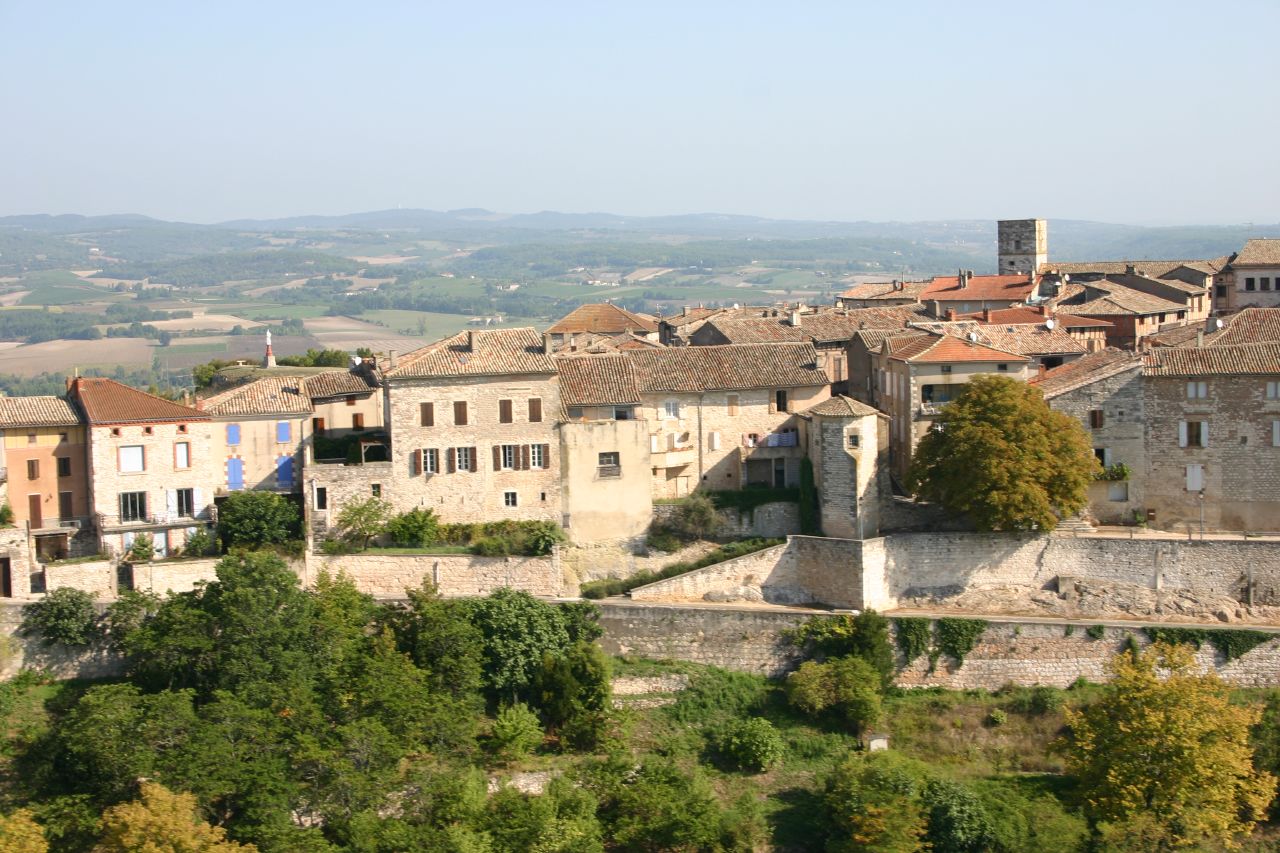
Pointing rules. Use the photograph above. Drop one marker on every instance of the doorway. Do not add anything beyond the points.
(6, 579)
(34, 513)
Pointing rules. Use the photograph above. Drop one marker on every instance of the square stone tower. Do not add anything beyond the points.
(1023, 246)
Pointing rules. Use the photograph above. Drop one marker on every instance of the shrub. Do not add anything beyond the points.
(956, 637)
(6, 515)
(958, 821)
(696, 517)
(251, 519)
(414, 529)
(363, 520)
(142, 549)
(335, 547)
(714, 695)
(65, 615)
(200, 543)
(847, 686)
(617, 586)
(996, 718)
(573, 693)
(504, 538)
(1039, 700)
(751, 744)
(865, 636)
(662, 539)
(516, 732)
(871, 803)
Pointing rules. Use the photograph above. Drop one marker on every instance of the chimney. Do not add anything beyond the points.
(573, 342)
(684, 312)
(897, 285)
(1200, 337)
(795, 317)
(986, 315)
(471, 340)
(1129, 269)
(951, 314)
(962, 276)
(391, 359)
(547, 347)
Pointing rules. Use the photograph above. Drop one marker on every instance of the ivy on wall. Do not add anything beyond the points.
(1231, 642)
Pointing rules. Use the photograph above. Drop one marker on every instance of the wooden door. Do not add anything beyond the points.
(33, 511)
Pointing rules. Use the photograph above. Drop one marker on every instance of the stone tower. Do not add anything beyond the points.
(1023, 246)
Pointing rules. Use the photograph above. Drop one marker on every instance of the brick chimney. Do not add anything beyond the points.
(951, 314)
(986, 315)
(547, 347)
(471, 340)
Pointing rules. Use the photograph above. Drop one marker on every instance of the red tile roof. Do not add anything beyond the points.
(37, 411)
(1022, 314)
(105, 401)
(886, 290)
(1085, 370)
(496, 352)
(337, 383)
(603, 318)
(1030, 340)
(1243, 359)
(841, 406)
(731, 367)
(986, 287)
(597, 380)
(946, 349)
(1259, 251)
(1248, 326)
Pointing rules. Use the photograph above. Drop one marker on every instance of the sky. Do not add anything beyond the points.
(1121, 111)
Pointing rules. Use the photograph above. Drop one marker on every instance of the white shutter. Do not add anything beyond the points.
(1204, 433)
(1182, 433)
(654, 444)
(197, 505)
(172, 498)
(714, 441)
(1195, 478)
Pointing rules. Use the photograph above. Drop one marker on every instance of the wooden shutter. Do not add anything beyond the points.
(1095, 418)
(475, 460)
(451, 460)
(524, 457)
(535, 410)
(460, 413)
(497, 458)
(428, 414)
(504, 411)
(415, 463)
(546, 456)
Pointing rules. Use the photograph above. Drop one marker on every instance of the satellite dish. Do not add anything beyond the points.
(1050, 323)
(973, 337)
(1217, 322)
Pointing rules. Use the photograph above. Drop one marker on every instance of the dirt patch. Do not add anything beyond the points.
(11, 299)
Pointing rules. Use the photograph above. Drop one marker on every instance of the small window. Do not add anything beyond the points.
(64, 466)
(535, 410)
(574, 413)
(780, 400)
(1265, 281)
(357, 421)
(186, 503)
(464, 458)
(1104, 456)
(671, 410)
(322, 497)
(1249, 284)
(1096, 419)
(182, 428)
(182, 454)
(351, 401)
(31, 438)
(284, 432)
(854, 439)
(147, 431)
(33, 469)
(504, 411)
(430, 461)
(376, 490)
(1273, 390)
(622, 413)
(946, 368)
(1003, 368)
(609, 464)
(507, 457)
(427, 414)
(115, 432)
(460, 413)
(1193, 434)
(1197, 390)
(538, 456)
(132, 459)
(317, 426)
(510, 499)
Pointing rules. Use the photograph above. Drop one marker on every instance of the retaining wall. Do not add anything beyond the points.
(769, 521)
(388, 576)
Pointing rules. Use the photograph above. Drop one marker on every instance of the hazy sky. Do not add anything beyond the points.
(1161, 112)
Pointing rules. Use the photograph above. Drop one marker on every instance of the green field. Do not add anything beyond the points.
(59, 287)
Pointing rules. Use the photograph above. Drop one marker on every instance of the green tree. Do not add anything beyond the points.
(865, 635)
(656, 808)
(518, 630)
(1167, 760)
(516, 732)
(363, 520)
(19, 833)
(162, 822)
(847, 687)
(958, 822)
(415, 528)
(998, 454)
(696, 517)
(872, 803)
(439, 635)
(751, 744)
(573, 692)
(66, 615)
(253, 519)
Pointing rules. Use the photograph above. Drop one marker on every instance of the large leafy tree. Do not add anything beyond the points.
(253, 519)
(1166, 763)
(1000, 455)
(163, 822)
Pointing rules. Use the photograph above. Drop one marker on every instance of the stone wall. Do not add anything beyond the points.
(771, 520)
(622, 558)
(388, 576)
(18, 652)
(761, 576)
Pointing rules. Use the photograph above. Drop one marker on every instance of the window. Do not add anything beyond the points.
(575, 413)
(1265, 282)
(317, 426)
(609, 464)
(1220, 291)
(182, 455)
(671, 410)
(133, 506)
(182, 428)
(1118, 491)
(65, 507)
(1104, 456)
(732, 401)
(946, 368)
(233, 435)
(1096, 419)
(1003, 368)
(780, 400)
(31, 438)
(538, 456)
(535, 410)
(322, 497)
(132, 459)
(504, 411)
(465, 459)
(1273, 390)
(284, 472)
(430, 461)
(1195, 478)
(427, 414)
(376, 490)
(351, 401)
(33, 469)
(506, 457)
(938, 393)
(854, 439)
(510, 499)
(284, 432)
(1275, 433)
(1197, 390)
(1193, 434)
(622, 413)
(115, 432)
(460, 413)
(64, 466)
(1249, 284)
(357, 421)
(186, 503)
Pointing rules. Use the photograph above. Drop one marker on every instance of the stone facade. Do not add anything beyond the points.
(846, 454)
(1022, 244)
(770, 521)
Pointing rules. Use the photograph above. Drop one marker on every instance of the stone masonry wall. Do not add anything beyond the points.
(388, 576)
(762, 576)
(771, 520)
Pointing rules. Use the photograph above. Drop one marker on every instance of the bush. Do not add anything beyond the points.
(1039, 700)
(253, 519)
(1095, 632)
(996, 718)
(6, 515)
(865, 636)
(662, 539)
(848, 686)
(504, 538)
(956, 637)
(414, 529)
(914, 635)
(142, 549)
(958, 821)
(752, 744)
(335, 547)
(65, 616)
(200, 543)
(516, 732)
(360, 521)
(696, 517)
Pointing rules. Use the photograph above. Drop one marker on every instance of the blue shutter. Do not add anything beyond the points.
(284, 472)
(233, 435)
(284, 433)
(235, 474)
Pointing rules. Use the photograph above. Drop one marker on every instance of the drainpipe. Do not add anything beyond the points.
(701, 396)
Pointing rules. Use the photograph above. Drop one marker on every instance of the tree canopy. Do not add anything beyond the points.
(998, 454)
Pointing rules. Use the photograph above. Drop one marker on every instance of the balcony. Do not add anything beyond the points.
(153, 519)
(62, 525)
(673, 458)
(929, 410)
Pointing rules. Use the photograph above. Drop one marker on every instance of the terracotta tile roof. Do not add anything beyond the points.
(337, 383)
(692, 315)
(1172, 283)
(841, 406)
(496, 352)
(1248, 326)
(271, 395)
(1085, 370)
(886, 290)
(1025, 315)
(106, 401)
(948, 289)
(1259, 252)
(37, 411)
(1149, 268)
(633, 341)
(751, 330)
(1243, 359)
(946, 349)
(888, 317)
(1182, 336)
(1030, 340)
(731, 367)
(604, 318)
(597, 380)
(872, 339)
(1116, 299)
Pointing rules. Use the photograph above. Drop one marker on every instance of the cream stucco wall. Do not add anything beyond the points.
(605, 504)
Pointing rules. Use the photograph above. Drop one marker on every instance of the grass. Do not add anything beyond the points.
(198, 349)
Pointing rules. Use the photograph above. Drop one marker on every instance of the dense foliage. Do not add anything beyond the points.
(66, 615)
(252, 519)
(998, 454)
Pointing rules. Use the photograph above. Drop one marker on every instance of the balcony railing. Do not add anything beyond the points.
(771, 439)
(152, 518)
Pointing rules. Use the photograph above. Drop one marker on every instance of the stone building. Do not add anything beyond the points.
(153, 464)
(965, 292)
(602, 318)
(1104, 391)
(1133, 314)
(1254, 275)
(1022, 245)
(260, 429)
(845, 447)
(46, 473)
(1213, 436)
(1089, 332)
(881, 294)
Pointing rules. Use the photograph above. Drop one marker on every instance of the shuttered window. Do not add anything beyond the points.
(1096, 419)
(535, 410)
(460, 413)
(132, 459)
(182, 454)
(284, 432)
(233, 434)
(504, 411)
(428, 414)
